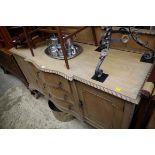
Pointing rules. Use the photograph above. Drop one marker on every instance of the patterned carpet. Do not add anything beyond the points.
(20, 110)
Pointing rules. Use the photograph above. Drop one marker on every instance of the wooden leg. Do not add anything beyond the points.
(36, 94)
(4, 70)
(62, 46)
(28, 40)
(140, 112)
(149, 112)
(94, 35)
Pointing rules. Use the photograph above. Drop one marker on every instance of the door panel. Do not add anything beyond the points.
(99, 108)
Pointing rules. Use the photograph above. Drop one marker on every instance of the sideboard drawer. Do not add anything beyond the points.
(57, 81)
(61, 95)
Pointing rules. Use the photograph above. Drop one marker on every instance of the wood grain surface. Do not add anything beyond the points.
(126, 73)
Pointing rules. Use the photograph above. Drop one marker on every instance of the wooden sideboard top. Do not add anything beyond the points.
(126, 73)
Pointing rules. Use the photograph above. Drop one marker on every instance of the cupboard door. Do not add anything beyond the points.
(101, 111)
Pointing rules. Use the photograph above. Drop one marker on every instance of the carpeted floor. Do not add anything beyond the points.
(19, 109)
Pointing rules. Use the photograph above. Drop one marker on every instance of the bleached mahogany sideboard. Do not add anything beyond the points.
(110, 104)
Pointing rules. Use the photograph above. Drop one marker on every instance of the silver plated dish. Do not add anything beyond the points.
(56, 51)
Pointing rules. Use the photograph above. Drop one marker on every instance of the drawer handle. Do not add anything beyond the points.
(49, 95)
(38, 73)
(65, 97)
(80, 104)
(60, 84)
(44, 85)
